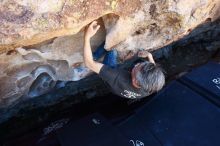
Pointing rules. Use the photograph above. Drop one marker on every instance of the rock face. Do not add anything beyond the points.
(26, 22)
(41, 41)
(159, 23)
(27, 73)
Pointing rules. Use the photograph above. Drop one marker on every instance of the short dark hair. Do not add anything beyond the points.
(150, 77)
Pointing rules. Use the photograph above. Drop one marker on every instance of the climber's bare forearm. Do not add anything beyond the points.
(87, 52)
(151, 59)
(88, 58)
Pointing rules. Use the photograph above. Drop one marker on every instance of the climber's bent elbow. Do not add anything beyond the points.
(94, 66)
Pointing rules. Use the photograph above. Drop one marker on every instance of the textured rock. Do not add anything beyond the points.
(158, 23)
(32, 72)
(25, 22)
(41, 41)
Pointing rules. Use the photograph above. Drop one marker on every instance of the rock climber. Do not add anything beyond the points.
(144, 79)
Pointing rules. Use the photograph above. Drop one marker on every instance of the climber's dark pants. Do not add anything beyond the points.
(110, 58)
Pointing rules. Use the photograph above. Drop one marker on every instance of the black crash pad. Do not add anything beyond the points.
(136, 134)
(93, 130)
(180, 117)
(205, 80)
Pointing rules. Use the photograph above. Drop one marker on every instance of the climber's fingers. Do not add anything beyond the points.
(92, 29)
(95, 26)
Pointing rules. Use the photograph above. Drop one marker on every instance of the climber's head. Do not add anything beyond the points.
(148, 76)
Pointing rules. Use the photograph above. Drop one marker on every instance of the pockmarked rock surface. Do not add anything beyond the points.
(41, 41)
(155, 22)
(27, 22)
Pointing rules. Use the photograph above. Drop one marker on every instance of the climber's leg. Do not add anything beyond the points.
(99, 52)
(111, 58)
